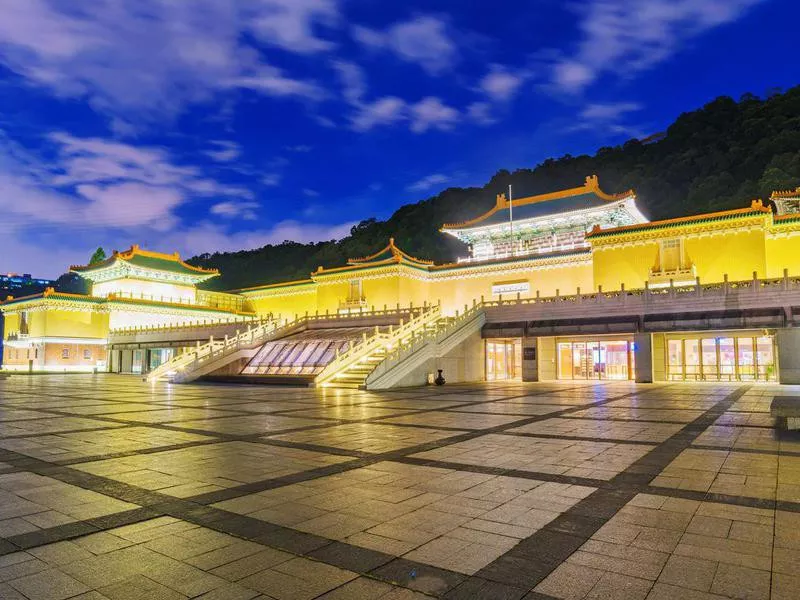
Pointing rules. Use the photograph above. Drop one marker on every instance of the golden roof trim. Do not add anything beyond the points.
(591, 186)
(795, 193)
(397, 254)
(136, 249)
(755, 205)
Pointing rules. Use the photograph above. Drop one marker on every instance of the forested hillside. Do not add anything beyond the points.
(715, 158)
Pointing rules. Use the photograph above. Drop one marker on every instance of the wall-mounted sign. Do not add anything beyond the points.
(511, 287)
(529, 353)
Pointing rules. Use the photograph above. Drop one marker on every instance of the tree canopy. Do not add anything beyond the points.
(98, 256)
(715, 158)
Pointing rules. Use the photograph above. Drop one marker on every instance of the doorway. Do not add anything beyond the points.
(595, 359)
(504, 359)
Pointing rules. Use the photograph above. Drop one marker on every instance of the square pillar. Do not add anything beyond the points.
(788, 342)
(643, 358)
(530, 359)
(546, 353)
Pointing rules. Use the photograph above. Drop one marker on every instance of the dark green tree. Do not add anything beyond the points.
(98, 256)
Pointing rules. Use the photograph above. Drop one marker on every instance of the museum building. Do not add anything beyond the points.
(575, 284)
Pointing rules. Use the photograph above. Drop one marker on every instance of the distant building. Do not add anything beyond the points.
(11, 282)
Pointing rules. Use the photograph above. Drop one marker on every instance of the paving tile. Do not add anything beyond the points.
(493, 491)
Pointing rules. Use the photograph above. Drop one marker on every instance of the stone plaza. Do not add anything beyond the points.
(115, 488)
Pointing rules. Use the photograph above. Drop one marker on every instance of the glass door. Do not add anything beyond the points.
(746, 358)
(765, 358)
(710, 358)
(727, 359)
(580, 369)
(616, 355)
(503, 360)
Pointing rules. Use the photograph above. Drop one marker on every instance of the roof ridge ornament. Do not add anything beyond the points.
(591, 185)
(795, 193)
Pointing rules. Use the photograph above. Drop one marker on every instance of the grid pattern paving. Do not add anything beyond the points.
(113, 488)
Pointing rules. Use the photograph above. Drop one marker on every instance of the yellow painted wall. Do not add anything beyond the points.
(736, 254)
(783, 253)
(67, 323)
(461, 288)
(11, 324)
(629, 265)
(285, 307)
(138, 288)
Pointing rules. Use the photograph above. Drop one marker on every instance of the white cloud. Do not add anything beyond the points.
(500, 84)
(99, 185)
(431, 113)
(271, 179)
(608, 112)
(428, 182)
(608, 118)
(423, 40)
(627, 36)
(151, 57)
(233, 209)
(309, 193)
(290, 24)
(224, 151)
(383, 111)
(272, 82)
(481, 113)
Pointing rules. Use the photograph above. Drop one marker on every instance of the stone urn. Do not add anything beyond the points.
(439, 378)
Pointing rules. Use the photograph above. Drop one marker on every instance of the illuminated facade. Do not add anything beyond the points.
(575, 284)
(133, 289)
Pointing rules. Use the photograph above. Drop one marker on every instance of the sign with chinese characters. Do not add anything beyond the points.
(511, 287)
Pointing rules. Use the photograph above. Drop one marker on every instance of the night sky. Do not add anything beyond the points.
(223, 124)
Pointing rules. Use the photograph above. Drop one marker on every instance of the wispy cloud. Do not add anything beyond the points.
(427, 182)
(224, 151)
(426, 114)
(501, 84)
(432, 113)
(233, 209)
(146, 58)
(625, 37)
(608, 118)
(424, 40)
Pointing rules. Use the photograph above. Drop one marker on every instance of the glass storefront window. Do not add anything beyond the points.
(675, 359)
(612, 359)
(746, 358)
(740, 358)
(765, 358)
(727, 359)
(691, 350)
(709, 357)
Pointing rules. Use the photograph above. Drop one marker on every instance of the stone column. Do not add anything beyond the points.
(546, 353)
(788, 342)
(643, 358)
(530, 362)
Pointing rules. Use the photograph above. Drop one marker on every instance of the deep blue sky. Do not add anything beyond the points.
(223, 124)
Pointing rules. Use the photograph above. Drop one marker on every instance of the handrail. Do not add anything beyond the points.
(444, 327)
(665, 293)
(203, 352)
(197, 324)
(420, 317)
(180, 366)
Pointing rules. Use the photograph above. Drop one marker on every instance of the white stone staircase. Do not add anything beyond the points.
(403, 355)
(351, 368)
(206, 357)
(411, 362)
